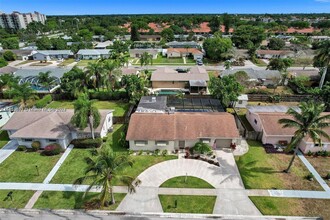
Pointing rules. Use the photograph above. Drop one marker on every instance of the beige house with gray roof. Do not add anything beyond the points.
(50, 126)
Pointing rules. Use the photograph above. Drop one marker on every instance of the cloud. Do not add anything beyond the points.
(324, 1)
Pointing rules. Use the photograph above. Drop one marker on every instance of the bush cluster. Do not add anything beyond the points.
(104, 95)
(41, 103)
(35, 145)
(21, 148)
(52, 149)
(87, 143)
(322, 153)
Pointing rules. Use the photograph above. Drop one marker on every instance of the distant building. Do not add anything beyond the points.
(17, 20)
(93, 54)
(46, 55)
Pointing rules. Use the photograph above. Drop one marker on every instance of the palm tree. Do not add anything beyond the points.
(45, 79)
(308, 122)
(23, 93)
(95, 72)
(113, 73)
(103, 169)
(323, 58)
(7, 80)
(146, 59)
(85, 114)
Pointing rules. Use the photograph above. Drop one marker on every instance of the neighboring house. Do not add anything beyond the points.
(242, 101)
(103, 45)
(46, 55)
(93, 54)
(265, 119)
(264, 77)
(154, 37)
(51, 127)
(195, 78)
(149, 131)
(312, 74)
(6, 111)
(183, 44)
(319, 38)
(8, 69)
(130, 71)
(136, 53)
(22, 54)
(269, 54)
(184, 52)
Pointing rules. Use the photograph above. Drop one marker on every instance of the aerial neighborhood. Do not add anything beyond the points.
(212, 114)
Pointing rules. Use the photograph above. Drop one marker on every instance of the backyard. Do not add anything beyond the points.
(26, 167)
(164, 60)
(3, 138)
(265, 171)
(18, 200)
(119, 106)
(321, 165)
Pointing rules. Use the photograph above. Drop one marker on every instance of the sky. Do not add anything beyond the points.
(83, 7)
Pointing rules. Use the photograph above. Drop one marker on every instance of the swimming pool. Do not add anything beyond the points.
(169, 92)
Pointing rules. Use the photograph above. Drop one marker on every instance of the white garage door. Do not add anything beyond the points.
(223, 143)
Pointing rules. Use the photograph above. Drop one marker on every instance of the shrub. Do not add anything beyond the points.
(21, 148)
(148, 152)
(164, 152)
(327, 176)
(87, 143)
(35, 145)
(130, 152)
(140, 152)
(41, 103)
(156, 152)
(310, 176)
(325, 153)
(201, 147)
(104, 139)
(52, 149)
(309, 153)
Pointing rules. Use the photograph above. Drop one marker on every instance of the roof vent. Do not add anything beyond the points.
(153, 99)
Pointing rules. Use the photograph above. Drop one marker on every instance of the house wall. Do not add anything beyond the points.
(44, 142)
(151, 145)
(168, 84)
(40, 56)
(241, 104)
(108, 122)
(266, 139)
(305, 147)
(173, 54)
(89, 57)
(196, 56)
(254, 120)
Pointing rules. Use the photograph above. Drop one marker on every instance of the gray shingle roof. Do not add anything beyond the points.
(254, 74)
(55, 52)
(169, 74)
(93, 51)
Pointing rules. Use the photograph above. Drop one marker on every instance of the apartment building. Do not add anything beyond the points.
(17, 20)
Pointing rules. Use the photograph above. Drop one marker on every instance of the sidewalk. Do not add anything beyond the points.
(7, 150)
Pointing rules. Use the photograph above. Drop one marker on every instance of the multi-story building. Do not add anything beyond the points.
(17, 20)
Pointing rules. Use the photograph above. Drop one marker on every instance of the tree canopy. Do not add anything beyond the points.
(217, 48)
(247, 36)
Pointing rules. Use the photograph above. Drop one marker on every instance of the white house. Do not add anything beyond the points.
(265, 119)
(136, 53)
(151, 131)
(184, 52)
(50, 126)
(242, 101)
(93, 54)
(46, 55)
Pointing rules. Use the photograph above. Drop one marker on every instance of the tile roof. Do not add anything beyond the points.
(45, 124)
(141, 51)
(309, 30)
(93, 51)
(274, 52)
(170, 74)
(184, 50)
(254, 74)
(8, 69)
(181, 126)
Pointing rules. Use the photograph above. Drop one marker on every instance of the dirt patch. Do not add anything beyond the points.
(321, 165)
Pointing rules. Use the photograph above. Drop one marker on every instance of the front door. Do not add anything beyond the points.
(181, 144)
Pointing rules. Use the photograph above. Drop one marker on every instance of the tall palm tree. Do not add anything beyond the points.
(7, 80)
(45, 79)
(85, 114)
(323, 58)
(23, 93)
(308, 122)
(146, 59)
(112, 72)
(95, 72)
(103, 169)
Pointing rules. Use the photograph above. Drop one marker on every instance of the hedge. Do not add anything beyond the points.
(52, 149)
(35, 145)
(41, 103)
(87, 143)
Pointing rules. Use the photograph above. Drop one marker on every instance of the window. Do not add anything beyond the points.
(255, 121)
(140, 143)
(51, 140)
(205, 140)
(109, 119)
(27, 140)
(161, 143)
(240, 102)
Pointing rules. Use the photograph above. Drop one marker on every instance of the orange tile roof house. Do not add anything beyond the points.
(51, 127)
(265, 119)
(150, 131)
(184, 52)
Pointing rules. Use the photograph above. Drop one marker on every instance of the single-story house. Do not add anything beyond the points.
(242, 101)
(319, 38)
(149, 131)
(269, 54)
(130, 71)
(93, 54)
(8, 69)
(50, 126)
(6, 111)
(183, 44)
(22, 54)
(194, 78)
(45, 55)
(103, 45)
(312, 74)
(136, 53)
(150, 37)
(184, 52)
(264, 77)
(265, 119)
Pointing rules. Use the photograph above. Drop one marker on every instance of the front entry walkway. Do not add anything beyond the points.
(232, 201)
(7, 150)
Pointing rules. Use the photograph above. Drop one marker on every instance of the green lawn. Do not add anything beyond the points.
(265, 171)
(66, 62)
(190, 60)
(70, 200)
(293, 207)
(188, 204)
(21, 167)
(165, 60)
(260, 63)
(73, 167)
(186, 182)
(3, 138)
(19, 198)
(119, 106)
(84, 63)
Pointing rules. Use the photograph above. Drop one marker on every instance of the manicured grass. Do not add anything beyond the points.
(66, 62)
(19, 198)
(260, 63)
(84, 63)
(190, 60)
(41, 64)
(21, 167)
(265, 171)
(293, 207)
(321, 165)
(186, 182)
(3, 138)
(188, 204)
(74, 165)
(119, 106)
(70, 200)
(165, 60)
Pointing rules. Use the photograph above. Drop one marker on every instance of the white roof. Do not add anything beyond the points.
(243, 97)
(93, 51)
(270, 108)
